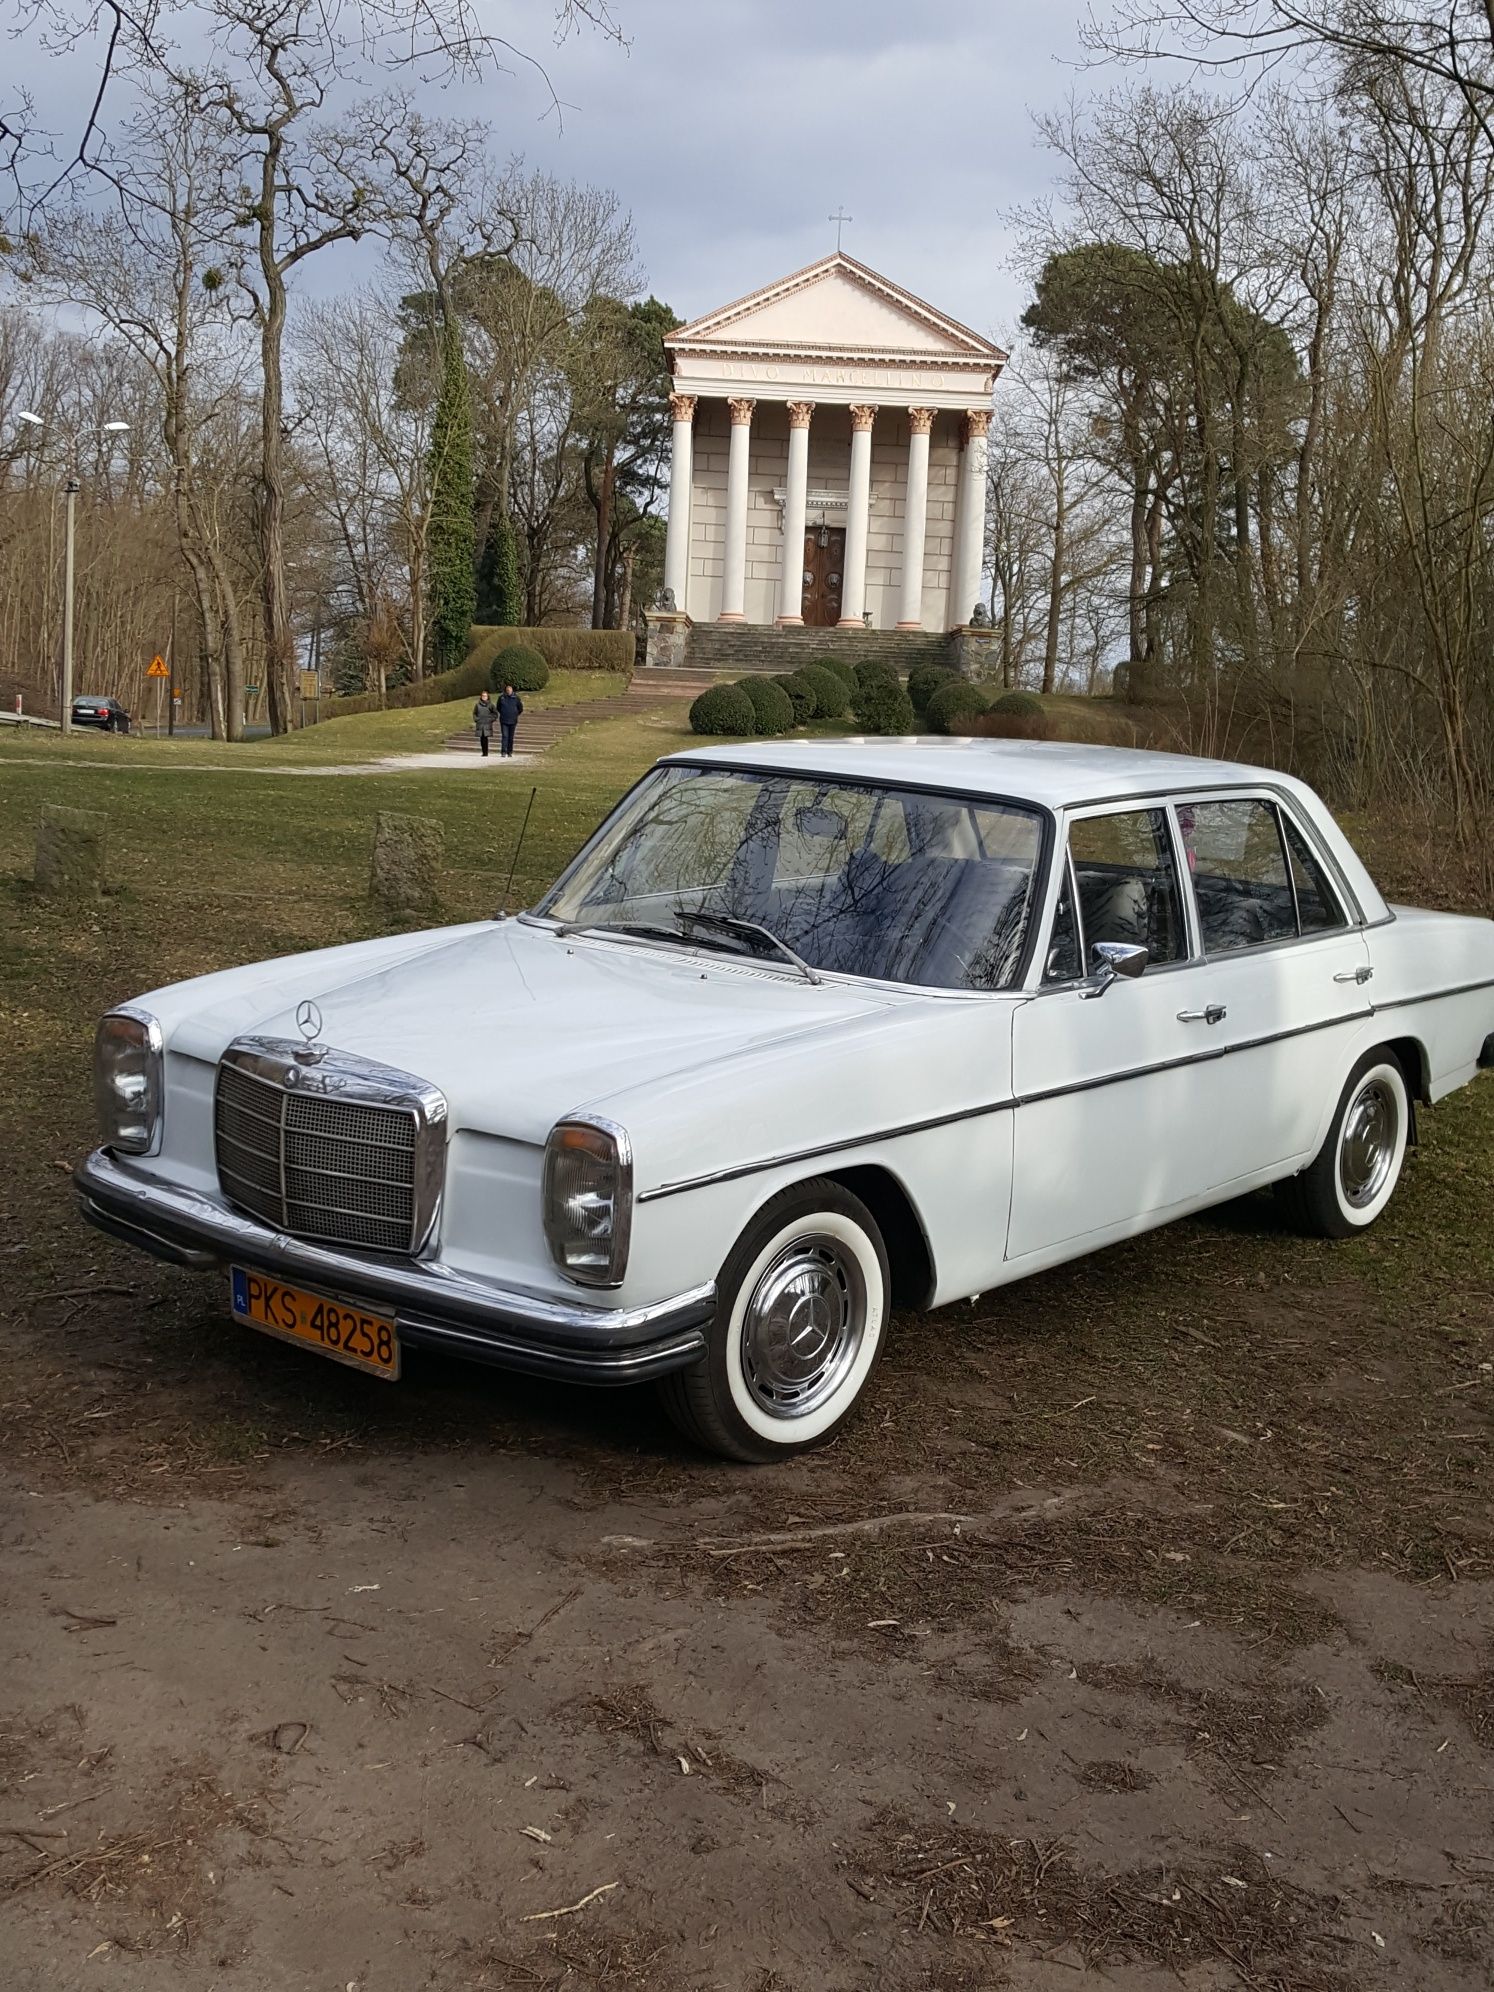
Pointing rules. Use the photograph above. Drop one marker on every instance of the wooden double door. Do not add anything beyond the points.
(824, 575)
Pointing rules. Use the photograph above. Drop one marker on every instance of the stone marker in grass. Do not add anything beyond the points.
(70, 849)
(406, 864)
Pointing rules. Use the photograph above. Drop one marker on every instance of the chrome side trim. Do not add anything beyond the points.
(432, 1299)
(730, 1175)
(1432, 995)
(1206, 1057)
(853, 1141)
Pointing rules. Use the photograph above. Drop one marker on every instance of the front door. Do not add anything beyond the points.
(824, 573)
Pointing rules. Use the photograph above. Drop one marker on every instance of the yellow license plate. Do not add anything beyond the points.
(332, 1327)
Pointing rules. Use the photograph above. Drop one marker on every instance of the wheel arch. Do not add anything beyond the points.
(1417, 1067)
(909, 1254)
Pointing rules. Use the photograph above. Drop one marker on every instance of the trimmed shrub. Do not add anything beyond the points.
(926, 679)
(1025, 705)
(843, 668)
(882, 706)
(953, 706)
(801, 695)
(831, 693)
(875, 667)
(520, 667)
(771, 704)
(562, 649)
(723, 709)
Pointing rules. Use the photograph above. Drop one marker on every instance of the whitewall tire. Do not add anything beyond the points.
(801, 1316)
(1355, 1172)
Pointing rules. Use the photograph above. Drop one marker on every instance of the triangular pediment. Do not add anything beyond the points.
(836, 306)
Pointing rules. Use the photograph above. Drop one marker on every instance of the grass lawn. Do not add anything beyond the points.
(365, 736)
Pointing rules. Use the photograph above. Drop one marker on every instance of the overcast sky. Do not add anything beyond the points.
(733, 128)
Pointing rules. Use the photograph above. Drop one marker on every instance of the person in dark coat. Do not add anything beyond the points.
(484, 713)
(509, 708)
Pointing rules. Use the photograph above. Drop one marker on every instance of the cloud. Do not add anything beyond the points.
(733, 128)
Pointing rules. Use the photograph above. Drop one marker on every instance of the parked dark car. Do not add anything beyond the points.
(107, 713)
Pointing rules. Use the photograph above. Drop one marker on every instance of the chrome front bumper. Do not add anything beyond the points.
(432, 1305)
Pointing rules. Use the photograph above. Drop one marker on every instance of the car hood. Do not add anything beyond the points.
(519, 1027)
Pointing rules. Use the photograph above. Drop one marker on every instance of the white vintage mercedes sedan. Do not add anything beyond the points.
(806, 1032)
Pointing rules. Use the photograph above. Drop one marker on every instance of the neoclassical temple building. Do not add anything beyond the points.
(829, 458)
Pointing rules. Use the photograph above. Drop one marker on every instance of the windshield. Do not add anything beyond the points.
(856, 880)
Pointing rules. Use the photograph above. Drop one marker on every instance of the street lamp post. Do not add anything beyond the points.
(66, 714)
(71, 488)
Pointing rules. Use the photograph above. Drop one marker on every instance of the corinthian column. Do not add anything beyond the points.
(970, 515)
(791, 581)
(858, 518)
(734, 564)
(915, 517)
(681, 463)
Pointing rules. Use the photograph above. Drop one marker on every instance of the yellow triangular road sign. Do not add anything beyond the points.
(157, 668)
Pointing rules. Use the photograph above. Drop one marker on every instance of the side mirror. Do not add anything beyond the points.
(1114, 961)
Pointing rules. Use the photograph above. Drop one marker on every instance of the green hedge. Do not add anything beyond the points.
(926, 679)
(723, 709)
(953, 705)
(465, 682)
(801, 694)
(519, 666)
(843, 668)
(832, 695)
(562, 649)
(882, 706)
(771, 704)
(1020, 704)
(876, 668)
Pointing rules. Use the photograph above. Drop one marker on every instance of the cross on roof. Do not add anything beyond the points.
(840, 218)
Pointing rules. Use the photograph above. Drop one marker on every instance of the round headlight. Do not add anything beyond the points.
(127, 1081)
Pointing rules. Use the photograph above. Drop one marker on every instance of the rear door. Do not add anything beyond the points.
(1285, 974)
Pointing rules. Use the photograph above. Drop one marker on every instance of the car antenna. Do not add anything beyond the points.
(502, 912)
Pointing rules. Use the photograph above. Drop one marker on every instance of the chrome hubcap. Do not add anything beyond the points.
(1366, 1149)
(804, 1326)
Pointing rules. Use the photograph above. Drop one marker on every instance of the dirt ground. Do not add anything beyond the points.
(1140, 1634)
(1157, 1647)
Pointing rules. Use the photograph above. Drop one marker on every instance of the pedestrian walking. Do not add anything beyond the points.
(509, 708)
(484, 713)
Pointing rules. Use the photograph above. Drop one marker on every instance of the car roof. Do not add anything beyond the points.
(1056, 774)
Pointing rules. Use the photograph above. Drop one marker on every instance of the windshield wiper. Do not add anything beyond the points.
(633, 930)
(751, 931)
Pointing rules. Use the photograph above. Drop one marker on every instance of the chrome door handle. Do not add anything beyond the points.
(1360, 975)
(1213, 1013)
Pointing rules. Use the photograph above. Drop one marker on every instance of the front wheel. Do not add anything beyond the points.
(1355, 1172)
(801, 1313)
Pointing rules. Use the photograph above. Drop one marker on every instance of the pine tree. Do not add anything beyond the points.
(450, 538)
(499, 600)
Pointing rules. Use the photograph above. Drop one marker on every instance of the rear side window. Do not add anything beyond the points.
(1318, 907)
(1240, 881)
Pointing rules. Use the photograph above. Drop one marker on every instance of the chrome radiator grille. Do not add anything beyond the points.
(296, 1146)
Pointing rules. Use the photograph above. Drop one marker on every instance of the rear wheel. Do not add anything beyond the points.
(801, 1313)
(1355, 1172)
